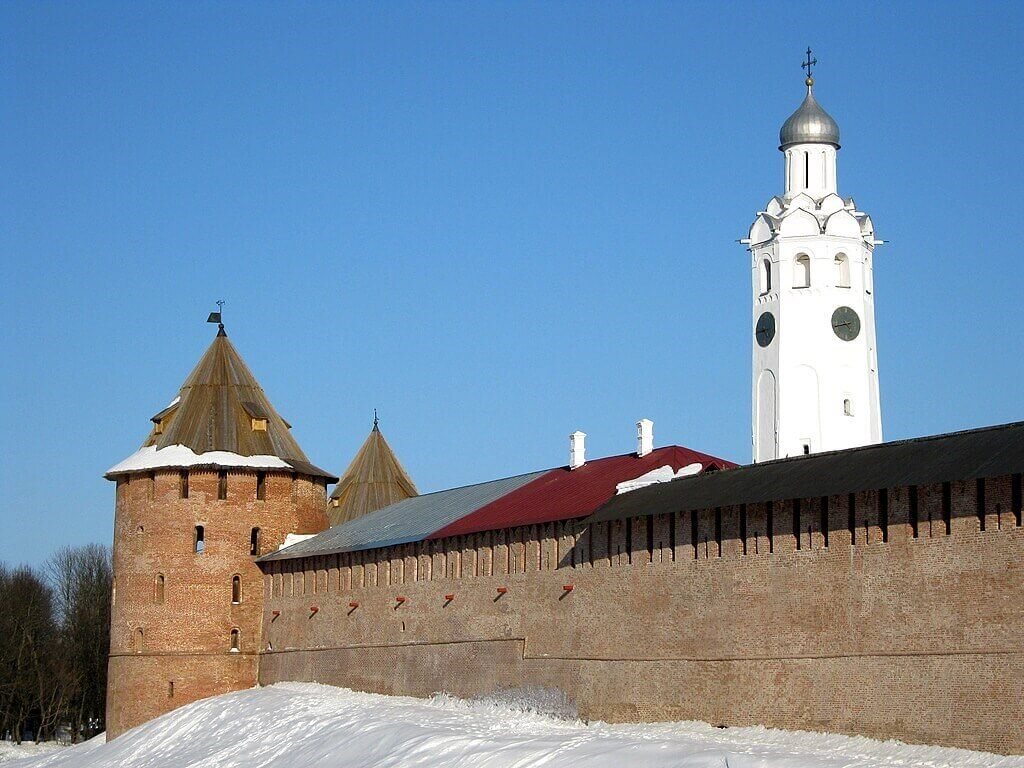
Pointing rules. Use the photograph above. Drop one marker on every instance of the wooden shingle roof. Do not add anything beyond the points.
(373, 480)
(221, 407)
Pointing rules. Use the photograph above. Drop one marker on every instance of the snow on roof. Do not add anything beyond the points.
(663, 474)
(531, 499)
(294, 538)
(150, 457)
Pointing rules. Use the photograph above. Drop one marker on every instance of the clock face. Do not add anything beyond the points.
(846, 323)
(764, 331)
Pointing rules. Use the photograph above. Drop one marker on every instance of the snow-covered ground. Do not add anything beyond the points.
(10, 751)
(300, 724)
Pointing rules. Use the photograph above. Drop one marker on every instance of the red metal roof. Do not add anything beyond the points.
(564, 493)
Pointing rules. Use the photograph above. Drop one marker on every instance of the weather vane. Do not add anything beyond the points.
(808, 65)
(218, 318)
(374, 418)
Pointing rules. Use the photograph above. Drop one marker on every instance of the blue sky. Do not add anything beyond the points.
(496, 223)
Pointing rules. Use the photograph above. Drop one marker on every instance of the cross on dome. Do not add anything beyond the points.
(809, 65)
(810, 124)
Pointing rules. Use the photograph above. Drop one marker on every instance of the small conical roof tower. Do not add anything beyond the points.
(373, 480)
(221, 417)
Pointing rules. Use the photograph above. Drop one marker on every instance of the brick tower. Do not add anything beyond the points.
(219, 481)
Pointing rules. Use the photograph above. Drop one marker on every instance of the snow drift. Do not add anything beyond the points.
(302, 724)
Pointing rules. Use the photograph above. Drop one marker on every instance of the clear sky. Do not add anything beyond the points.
(496, 223)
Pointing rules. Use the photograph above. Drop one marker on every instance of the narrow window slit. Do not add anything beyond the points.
(980, 501)
(1015, 497)
(883, 513)
(693, 533)
(743, 526)
(851, 522)
(914, 524)
(824, 520)
(947, 507)
(718, 531)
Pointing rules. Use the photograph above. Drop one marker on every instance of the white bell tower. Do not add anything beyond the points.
(815, 383)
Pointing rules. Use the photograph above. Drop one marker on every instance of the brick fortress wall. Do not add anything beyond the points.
(174, 609)
(895, 613)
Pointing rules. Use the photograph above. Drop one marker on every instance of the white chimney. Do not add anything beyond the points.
(644, 437)
(577, 449)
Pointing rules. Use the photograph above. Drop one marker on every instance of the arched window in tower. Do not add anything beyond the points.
(139, 640)
(842, 271)
(766, 276)
(200, 540)
(802, 271)
(236, 589)
(235, 640)
(158, 591)
(254, 542)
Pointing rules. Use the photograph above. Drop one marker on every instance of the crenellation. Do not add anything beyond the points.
(899, 611)
(963, 498)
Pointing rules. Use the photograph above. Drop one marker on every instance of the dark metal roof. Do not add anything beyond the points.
(976, 453)
(563, 493)
(537, 497)
(410, 520)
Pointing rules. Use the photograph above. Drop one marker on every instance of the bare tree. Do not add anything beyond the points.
(32, 681)
(54, 640)
(82, 579)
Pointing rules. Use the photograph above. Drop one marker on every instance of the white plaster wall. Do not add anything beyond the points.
(814, 370)
(811, 168)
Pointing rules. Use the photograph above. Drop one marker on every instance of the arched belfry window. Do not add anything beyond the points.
(159, 589)
(842, 271)
(236, 589)
(766, 276)
(802, 271)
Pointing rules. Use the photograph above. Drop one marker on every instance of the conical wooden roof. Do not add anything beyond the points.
(373, 480)
(221, 407)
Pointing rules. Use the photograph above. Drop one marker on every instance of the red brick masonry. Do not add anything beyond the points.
(172, 645)
(879, 632)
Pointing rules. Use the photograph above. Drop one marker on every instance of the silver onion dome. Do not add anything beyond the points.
(810, 124)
